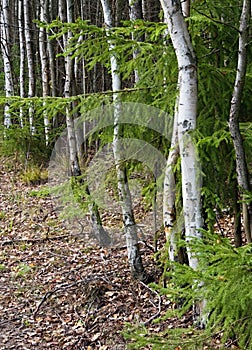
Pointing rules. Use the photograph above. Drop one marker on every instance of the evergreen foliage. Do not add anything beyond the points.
(224, 280)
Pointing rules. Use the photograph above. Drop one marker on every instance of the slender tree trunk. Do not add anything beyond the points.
(98, 230)
(22, 58)
(5, 49)
(169, 214)
(187, 106)
(75, 168)
(30, 61)
(52, 59)
(241, 166)
(130, 228)
(44, 66)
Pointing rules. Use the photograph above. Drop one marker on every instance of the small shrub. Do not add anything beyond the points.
(34, 175)
(223, 279)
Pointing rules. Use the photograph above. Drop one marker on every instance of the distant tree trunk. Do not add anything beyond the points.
(75, 167)
(44, 65)
(98, 230)
(22, 58)
(241, 166)
(5, 49)
(187, 107)
(52, 58)
(134, 257)
(30, 60)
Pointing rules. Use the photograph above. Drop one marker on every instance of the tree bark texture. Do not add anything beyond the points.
(130, 228)
(241, 166)
(187, 106)
(5, 48)
(30, 60)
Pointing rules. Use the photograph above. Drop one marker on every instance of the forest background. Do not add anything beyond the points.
(61, 60)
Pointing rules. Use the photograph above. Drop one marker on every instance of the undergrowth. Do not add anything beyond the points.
(223, 280)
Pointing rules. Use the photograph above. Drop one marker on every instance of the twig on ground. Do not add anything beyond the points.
(157, 314)
(50, 293)
(39, 240)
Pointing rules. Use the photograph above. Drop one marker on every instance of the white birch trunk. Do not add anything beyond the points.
(44, 67)
(97, 228)
(73, 154)
(241, 166)
(51, 55)
(22, 58)
(186, 4)
(187, 105)
(30, 62)
(130, 229)
(5, 49)
(169, 214)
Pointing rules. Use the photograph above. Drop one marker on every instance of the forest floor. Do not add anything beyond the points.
(59, 290)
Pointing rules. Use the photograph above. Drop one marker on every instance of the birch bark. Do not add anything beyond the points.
(187, 104)
(169, 214)
(97, 228)
(186, 4)
(134, 257)
(74, 161)
(241, 166)
(44, 65)
(22, 58)
(5, 48)
(30, 62)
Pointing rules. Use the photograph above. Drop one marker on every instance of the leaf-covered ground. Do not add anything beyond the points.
(57, 289)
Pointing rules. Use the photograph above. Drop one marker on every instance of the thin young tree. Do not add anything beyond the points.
(30, 59)
(97, 228)
(6, 56)
(22, 58)
(130, 228)
(44, 65)
(169, 200)
(186, 122)
(241, 165)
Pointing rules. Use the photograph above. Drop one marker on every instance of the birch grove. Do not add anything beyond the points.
(62, 86)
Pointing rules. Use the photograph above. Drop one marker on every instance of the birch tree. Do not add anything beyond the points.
(30, 59)
(169, 212)
(44, 65)
(241, 166)
(186, 122)
(6, 55)
(22, 57)
(186, 4)
(97, 228)
(130, 228)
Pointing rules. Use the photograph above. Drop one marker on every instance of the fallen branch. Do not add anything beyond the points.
(65, 286)
(40, 240)
(159, 305)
